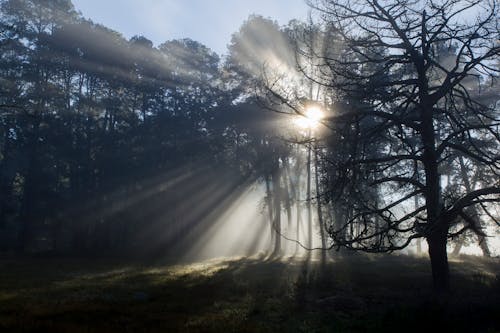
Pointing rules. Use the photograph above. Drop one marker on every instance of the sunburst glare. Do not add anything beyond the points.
(310, 119)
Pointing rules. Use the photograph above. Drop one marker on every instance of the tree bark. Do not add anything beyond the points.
(270, 208)
(439, 262)
(309, 206)
(277, 207)
(318, 206)
(297, 200)
(437, 228)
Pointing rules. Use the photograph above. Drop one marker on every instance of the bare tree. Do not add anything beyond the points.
(410, 113)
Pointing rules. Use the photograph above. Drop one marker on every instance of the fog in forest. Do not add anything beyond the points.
(304, 169)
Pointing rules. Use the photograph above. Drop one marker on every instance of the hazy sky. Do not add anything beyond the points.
(210, 22)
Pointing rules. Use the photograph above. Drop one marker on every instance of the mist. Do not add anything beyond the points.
(337, 172)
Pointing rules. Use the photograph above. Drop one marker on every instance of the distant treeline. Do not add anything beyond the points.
(107, 143)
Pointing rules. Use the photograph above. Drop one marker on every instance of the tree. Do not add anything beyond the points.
(260, 44)
(37, 91)
(407, 115)
(89, 120)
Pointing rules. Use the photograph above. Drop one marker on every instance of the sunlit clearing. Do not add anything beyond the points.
(239, 226)
(311, 118)
(239, 230)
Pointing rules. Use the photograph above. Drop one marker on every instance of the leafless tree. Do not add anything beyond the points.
(412, 110)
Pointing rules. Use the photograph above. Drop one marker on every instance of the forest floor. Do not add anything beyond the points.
(361, 293)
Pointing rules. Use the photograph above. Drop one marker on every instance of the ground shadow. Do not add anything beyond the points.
(356, 293)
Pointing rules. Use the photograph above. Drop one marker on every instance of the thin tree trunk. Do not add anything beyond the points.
(309, 206)
(287, 192)
(30, 191)
(277, 209)
(270, 208)
(415, 205)
(482, 242)
(5, 178)
(318, 205)
(297, 200)
(459, 243)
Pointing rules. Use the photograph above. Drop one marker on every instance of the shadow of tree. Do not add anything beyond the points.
(251, 294)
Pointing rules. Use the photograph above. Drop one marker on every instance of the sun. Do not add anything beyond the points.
(310, 119)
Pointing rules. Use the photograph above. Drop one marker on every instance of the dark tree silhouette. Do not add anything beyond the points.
(93, 126)
(414, 115)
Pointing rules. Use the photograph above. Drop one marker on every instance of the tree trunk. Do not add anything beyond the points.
(318, 206)
(482, 242)
(287, 192)
(6, 178)
(309, 206)
(30, 191)
(297, 200)
(419, 246)
(458, 246)
(277, 209)
(270, 208)
(437, 228)
(439, 262)
(415, 204)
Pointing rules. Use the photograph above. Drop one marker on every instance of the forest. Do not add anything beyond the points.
(321, 176)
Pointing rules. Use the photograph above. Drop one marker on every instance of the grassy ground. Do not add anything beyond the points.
(350, 294)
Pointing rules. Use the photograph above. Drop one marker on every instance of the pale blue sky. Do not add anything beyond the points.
(210, 22)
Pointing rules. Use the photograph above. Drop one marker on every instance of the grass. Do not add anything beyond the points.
(349, 294)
